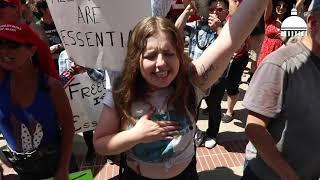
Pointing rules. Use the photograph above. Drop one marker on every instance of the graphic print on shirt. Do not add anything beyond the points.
(28, 136)
(161, 151)
(52, 37)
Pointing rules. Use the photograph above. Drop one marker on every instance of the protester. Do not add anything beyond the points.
(48, 26)
(283, 121)
(158, 82)
(275, 13)
(35, 115)
(67, 70)
(229, 81)
(202, 33)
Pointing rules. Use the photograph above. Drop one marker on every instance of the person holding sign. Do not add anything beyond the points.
(35, 115)
(151, 114)
(47, 25)
(69, 70)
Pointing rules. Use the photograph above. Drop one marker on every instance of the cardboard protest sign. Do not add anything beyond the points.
(81, 175)
(95, 32)
(85, 97)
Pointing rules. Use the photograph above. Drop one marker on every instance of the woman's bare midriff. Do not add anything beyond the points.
(155, 171)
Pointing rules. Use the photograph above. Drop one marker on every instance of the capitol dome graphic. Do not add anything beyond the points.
(293, 25)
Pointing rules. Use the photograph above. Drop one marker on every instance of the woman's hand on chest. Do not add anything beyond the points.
(147, 130)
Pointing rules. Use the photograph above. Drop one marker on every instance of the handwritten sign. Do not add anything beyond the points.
(85, 97)
(95, 32)
(81, 175)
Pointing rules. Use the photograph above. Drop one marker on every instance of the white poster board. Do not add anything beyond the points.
(85, 97)
(95, 32)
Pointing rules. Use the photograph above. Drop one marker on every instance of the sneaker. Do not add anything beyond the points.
(210, 143)
(199, 137)
(227, 118)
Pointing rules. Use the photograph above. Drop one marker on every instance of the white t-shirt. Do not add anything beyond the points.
(163, 155)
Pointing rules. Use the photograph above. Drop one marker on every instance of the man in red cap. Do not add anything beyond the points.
(9, 10)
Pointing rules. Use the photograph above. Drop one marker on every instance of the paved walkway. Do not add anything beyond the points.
(225, 161)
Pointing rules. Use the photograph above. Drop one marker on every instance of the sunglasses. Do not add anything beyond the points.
(4, 4)
(218, 8)
(10, 45)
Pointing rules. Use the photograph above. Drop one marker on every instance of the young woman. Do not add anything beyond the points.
(275, 13)
(35, 115)
(150, 115)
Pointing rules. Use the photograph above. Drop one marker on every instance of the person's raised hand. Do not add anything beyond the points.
(191, 9)
(299, 6)
(147, 131)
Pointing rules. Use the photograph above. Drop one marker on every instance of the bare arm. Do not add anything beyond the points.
(299, 6)
(183, 18)
(108, 131)
(109, 140)
(214, 60)
(65, 120)
(268, 11)
(259, 136)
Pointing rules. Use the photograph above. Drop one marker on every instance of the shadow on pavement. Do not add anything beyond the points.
(228, 136)
(236, 142)
(219, 173)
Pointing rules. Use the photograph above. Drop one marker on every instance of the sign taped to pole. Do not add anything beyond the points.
(95, 32)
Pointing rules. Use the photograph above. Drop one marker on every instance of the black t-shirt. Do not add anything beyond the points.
(51, 32)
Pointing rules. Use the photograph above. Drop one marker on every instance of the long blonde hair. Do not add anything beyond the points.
(131, 86)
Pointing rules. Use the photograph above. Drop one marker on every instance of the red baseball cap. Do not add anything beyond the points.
(17, 32)
(23, 34)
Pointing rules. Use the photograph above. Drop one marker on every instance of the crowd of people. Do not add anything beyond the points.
(151, 107)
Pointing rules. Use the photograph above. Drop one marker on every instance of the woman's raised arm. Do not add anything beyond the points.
(214, 60)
